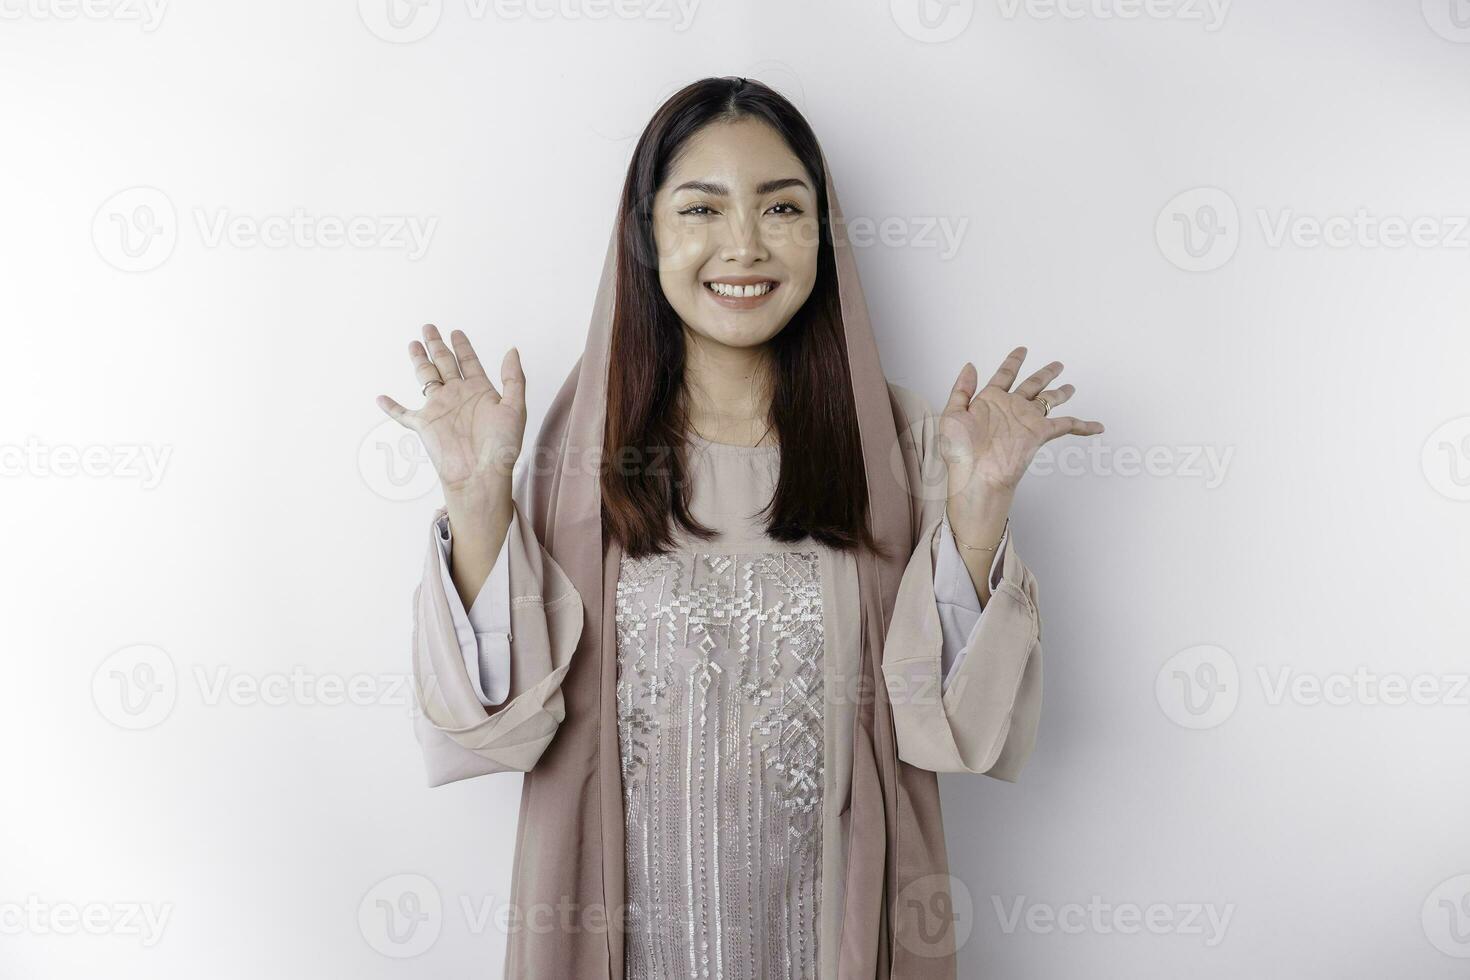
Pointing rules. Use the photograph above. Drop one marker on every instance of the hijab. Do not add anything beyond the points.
(568, 876)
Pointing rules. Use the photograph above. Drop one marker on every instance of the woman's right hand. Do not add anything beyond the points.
(471, 432)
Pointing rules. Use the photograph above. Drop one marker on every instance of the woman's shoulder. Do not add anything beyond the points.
(909, 407)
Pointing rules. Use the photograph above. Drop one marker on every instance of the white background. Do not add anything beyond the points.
(277, 537)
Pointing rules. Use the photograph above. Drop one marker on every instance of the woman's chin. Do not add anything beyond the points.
(738, 331)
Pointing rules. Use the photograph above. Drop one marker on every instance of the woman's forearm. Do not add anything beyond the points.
(478, 522)
(979, 518)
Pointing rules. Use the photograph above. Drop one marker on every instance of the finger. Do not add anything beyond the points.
(438, 350)
(406, 418)
(1032, 386)
(1065, 425)
(1056, 396)
(963, 390)
(1005, 375)
(395, 411)
(513, 379)
(464, 352)
(424, 370)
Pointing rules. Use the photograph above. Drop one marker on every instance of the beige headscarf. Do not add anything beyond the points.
(570, 840)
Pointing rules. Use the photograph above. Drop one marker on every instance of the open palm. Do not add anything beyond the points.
(471, 432)
(988, 438)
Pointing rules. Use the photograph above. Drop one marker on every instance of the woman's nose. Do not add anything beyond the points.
(744, 243)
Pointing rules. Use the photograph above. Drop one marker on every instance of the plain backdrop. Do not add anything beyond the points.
(1242, 228)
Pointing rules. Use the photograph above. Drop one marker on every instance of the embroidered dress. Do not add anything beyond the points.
(736, 699)
(721, 731)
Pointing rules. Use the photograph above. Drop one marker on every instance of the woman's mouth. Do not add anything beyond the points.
(741, 293)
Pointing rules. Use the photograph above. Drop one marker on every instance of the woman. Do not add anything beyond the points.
(747, 598)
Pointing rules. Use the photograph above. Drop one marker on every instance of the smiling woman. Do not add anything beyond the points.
(730, 675)
(735, 208)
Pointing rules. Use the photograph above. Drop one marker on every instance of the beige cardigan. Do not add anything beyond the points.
(984, 722)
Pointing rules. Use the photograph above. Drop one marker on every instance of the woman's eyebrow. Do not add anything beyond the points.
(720, 190)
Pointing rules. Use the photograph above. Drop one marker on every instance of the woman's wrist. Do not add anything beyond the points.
(480, 516)
(977, 515)
(480, 498)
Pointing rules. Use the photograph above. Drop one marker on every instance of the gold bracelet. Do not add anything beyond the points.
(971, 547)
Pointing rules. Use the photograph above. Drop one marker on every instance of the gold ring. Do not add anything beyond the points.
(1045, 405)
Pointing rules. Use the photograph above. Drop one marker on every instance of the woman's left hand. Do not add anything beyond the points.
(988, 439)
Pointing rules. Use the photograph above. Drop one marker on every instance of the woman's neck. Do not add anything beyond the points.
(728, 392)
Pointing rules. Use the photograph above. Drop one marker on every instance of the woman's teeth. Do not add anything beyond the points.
(725, 289)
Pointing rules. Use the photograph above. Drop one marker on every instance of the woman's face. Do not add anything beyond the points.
(736, 228)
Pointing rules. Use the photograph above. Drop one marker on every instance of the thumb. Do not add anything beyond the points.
(513, 379)
(963, 390)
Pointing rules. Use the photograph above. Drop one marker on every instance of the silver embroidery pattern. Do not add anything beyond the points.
(720, 728)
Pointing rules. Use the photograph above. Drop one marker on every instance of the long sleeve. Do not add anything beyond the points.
(958, 603)
(979, 713)
(462, 729)
(984, 720)
(484, 632)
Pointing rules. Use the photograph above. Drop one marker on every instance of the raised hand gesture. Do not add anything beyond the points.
(988, 438)
(471, 431)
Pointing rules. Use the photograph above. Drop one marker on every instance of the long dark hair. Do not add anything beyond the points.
(822, 490)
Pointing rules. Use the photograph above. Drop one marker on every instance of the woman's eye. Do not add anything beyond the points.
(792, 208)
(697, 209)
